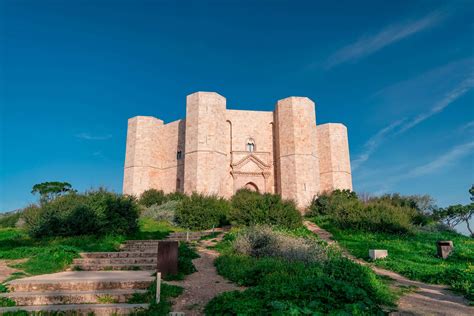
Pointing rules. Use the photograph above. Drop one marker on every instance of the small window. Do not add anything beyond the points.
(179, 155)
(250, 145)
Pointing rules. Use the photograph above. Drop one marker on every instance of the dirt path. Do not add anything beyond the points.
(201, 286)
(5, 270)
(425, 299)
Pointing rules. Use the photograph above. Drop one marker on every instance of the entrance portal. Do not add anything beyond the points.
(251, 186)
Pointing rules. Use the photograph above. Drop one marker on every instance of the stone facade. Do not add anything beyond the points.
(218, 151)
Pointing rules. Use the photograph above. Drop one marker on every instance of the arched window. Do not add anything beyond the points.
(250, 145)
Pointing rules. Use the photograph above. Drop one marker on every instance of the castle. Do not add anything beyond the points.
(218, 151)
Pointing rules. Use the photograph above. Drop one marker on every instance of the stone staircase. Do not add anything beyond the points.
(98, 292)
(133, 255)
(93, 285)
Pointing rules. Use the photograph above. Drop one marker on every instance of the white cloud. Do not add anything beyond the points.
(449, 98)
(368, 45)
(88, 136)
(442, 161)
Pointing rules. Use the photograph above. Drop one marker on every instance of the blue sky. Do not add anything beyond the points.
(398, 74)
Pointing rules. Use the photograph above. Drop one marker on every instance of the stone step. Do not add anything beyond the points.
(71, 297)
(112, 261)
(80, 309)
(121, 254)
(83, 281)
(139, 249)
(114, 267)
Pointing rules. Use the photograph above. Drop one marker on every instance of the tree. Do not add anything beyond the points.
(455, 214)
(50, 190)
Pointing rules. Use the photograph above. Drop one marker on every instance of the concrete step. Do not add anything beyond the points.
(121, 254)
(114, 267)
(83, 281)
(81, 309)
(112, 261)
(71, 297)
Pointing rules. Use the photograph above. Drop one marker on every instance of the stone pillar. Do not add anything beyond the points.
(141, 157)
(334, 160)
(296, 152)
(206, 160)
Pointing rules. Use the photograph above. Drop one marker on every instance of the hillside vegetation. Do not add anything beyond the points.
(408, 232)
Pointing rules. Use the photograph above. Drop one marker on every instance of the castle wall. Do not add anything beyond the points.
(298, 163)
(257, 126)
(335, 164)
(170, 140)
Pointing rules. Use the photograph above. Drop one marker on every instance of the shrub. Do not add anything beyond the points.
(326, 203)
(199, 211)
(262, 241)
(9, 220)
(385, 214)
(379, 216)
(175, 196)
(163, 212)
(93, 213)
(277, 286)
(152, 196)
(251, 208)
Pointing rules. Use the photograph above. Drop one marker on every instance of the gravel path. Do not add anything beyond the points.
(201, 286)
(425, 299)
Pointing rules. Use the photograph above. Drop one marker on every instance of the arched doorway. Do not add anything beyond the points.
(251, 186)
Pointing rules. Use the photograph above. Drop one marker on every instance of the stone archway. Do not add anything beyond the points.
(251, 186)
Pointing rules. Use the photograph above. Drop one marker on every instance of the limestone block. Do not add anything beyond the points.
(375, 254)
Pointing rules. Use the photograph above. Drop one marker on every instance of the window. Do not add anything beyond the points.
(250, 145)
(179, 155)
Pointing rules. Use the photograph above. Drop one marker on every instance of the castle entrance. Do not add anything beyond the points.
(252, 187)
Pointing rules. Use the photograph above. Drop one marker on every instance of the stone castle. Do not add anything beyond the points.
(218, 151)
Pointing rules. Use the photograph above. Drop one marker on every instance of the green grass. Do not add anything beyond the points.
(278, 287)
(414, 256)
(50, 255)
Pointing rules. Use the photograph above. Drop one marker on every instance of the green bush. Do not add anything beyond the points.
(276, 286)
(164, 212)
(385, 214)
(151, 197)
(199, 211)
(94, 213)
(251, 208)
(9, 220)
(262, 241)
(175, 196)
(378, 216)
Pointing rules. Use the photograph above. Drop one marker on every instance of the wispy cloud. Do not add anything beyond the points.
(467, 127)
(373, 143)
(370, 44)
(383, 183)
(442, 161)
(88, 136)
(449, 98)
(460, 84)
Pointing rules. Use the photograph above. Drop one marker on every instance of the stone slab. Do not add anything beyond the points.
(375, 254)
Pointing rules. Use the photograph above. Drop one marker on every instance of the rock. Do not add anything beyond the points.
(375, 254)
